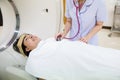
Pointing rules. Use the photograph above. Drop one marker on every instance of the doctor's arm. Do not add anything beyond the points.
(67, 28)
(68, 25)
(95, 29)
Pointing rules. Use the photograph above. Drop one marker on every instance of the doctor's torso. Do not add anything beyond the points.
(88, 16)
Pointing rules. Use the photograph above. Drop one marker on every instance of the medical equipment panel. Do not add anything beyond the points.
(1, 18)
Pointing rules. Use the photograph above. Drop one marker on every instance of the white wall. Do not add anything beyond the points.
(34, 18)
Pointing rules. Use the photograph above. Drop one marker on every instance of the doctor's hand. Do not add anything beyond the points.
(59, 36)
(84, 39)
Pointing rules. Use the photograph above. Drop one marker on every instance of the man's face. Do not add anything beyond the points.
(31, 41)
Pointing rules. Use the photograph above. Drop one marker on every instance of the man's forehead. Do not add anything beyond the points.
(27, 35)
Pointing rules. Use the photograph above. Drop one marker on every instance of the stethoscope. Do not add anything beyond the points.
(77, 9)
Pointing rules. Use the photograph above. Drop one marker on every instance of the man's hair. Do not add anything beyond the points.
(16, 48)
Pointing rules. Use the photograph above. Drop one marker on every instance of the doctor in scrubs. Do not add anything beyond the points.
(84, 19)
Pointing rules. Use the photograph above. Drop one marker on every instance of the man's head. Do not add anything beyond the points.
(25, 43)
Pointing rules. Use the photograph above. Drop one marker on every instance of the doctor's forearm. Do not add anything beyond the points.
(96, 29)
(67, 26)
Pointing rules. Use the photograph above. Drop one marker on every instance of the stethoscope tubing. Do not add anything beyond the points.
(77, 9)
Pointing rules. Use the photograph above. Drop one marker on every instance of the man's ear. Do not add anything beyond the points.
(27, 49)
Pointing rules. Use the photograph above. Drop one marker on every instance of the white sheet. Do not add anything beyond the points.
(66, 60)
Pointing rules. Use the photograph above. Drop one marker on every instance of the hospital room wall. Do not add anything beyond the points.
(36, 19)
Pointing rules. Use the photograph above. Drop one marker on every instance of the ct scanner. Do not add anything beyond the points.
(38, 17)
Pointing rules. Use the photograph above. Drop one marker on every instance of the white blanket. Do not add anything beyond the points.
(73, 60)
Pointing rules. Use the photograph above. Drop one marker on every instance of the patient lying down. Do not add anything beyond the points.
(68, 60)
